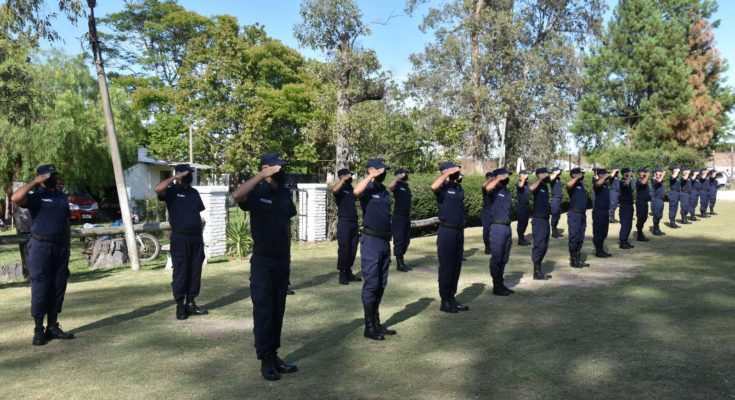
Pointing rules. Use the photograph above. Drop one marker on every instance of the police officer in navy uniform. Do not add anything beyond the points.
(614, 193)
(48, 250)
(686, 190)
(657, 200)
(401, 222)
(712, 191)
(703, 193)
(187, 244)
(694, 196)
(577, 217)
(643, 196)
(540, 228)
(601, 212)
(374, 245)
(347, 229)
(500, 233)
(523, 207)
(626, 208)
(674, 194)
(486, 214)
(450, 236)
(271, 208)
(556, 201)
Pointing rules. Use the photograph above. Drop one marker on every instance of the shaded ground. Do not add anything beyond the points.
(655, 322)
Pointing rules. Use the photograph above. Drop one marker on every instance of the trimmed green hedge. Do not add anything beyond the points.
(634, 159)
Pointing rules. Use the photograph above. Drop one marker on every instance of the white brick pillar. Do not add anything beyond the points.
(215, 216)
(312, 211)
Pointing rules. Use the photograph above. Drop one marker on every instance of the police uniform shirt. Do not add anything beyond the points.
(524, 195)
(450, 199)
(615, 184)
(704, 184)
(626, 193)
(686, 185)
(658, 189)
(578, 196)
(602, 195)
(375, 203)
(49, 211)
(696, 185)
(541, 206)
(345, 199)
(556, 189)
(184, 206)
(502, 202)
(487, 201)
(271, 210)
(402, 202)
(643, 191)
(674, 184)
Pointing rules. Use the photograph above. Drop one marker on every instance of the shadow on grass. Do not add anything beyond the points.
(234, 297)
(411, 310)
(124, 317)
(471, 292)
(322, 342)
(315, 281)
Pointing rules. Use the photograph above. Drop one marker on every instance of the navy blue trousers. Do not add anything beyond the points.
(374, 263)
(684, 203)
(657, 208)
(577, 225)
(703, 201)
(555, 211)
(500, 243)
(712, 199)
(626, 221)
(449, 248)
(187, 256)
(693, 200)
(486, 219)
(641, 214)
(540, 229)
(48, 268)
(401, 227)
(347, 239)
(523, 212)
(268, 286)
(614, 196)
(673, 204)
(600, 226)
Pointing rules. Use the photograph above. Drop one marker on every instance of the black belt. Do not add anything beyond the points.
(578, 211)
(50, 239)
(676, 190)
(451, 225)
(347, 219)
(541, 216)
(377, 234)
(496, 222)
(275, 253)
(188, 232)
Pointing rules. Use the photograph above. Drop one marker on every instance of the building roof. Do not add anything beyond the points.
(144, 159)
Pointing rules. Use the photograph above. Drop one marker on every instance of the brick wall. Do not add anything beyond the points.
(215, 216)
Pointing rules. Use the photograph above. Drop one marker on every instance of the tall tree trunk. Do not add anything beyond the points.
(343, 131)
(477, 147)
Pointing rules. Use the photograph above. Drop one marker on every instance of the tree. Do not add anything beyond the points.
(333, 27)
(509, 70)
(30, 17)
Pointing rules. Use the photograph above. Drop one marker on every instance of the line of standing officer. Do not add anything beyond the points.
(576, 217)
(686, 190)
(712, 191)
(271, 208)
(614, 193)
(657, 200)
(187, 243)
(626, 208)
(401, 223)
(643, 196)
(601, 212)
(48, 251)
(347, 229)
(703, 193)
(523, 207)
(449, 195)
(486, 214)
(674, 194)
(500, 233)
(694, 196)
(540, 228)
(556, 201)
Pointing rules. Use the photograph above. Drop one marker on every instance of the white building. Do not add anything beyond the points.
(141, 179)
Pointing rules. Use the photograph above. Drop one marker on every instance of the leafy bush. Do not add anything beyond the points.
(623, 157)
(239, 241)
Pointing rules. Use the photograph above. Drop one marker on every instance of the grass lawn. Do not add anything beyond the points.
(655, 322)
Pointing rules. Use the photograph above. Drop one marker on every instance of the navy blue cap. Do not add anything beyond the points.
(47, 169)
(446, 165)
(658, 169)
(523, 172)
(542, 171)
(685, 169)
(602, 171)
(376, 163)
(271, 159)
(625, 170)
(557, 169)
(344, 171)
(502, 171)
(400, 171)
(576, 170)
(704, 170)
(644, 169)
(673, 167)
(489, 174)
(614, 168)
(183, 168)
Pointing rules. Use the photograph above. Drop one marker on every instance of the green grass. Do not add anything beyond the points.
(655, 322)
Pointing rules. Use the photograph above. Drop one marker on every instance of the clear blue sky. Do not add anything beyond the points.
(393, 42)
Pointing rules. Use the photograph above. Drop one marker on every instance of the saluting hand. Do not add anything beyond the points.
(41, 178)
(452, 170)
(181, 175)
(269, 171)
(401, 175)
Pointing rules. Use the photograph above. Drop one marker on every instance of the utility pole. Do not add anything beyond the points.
(122, 193)
(191, 147)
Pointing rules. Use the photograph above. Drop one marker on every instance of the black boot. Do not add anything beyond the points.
(447, 307)
(673, 225)
(712, 211)
(54, 331)
(703, 215)
(641, 237)
(612, 220)
(268, 368)
(487, 250)
(657, 229)
(401, 265)
(352, 277)
(693, 217)
(625, 245)
(573, 261)
(500, 290)
(343, 278)
(579, 260)
(600, 252)
(371, 332)
(555, 233)
(380, 327)
(193, 309)
(522, 240)
(181, 310)
(457, 306)
(39, 335)
(684, 220)
(537, 274)
(284, 367)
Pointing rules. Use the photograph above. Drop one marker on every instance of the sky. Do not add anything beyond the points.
(395, 35)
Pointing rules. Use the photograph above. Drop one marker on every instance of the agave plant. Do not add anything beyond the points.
(239, 241)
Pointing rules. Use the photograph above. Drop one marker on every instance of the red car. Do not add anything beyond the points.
(82, 205)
